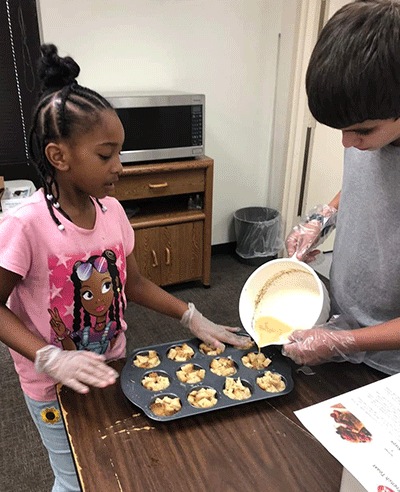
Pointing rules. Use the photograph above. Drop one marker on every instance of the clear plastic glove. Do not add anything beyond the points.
(75, 368)
(212, 334)
(308, 234)
(324, 343)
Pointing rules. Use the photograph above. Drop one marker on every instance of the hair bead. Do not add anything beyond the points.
(61, 227)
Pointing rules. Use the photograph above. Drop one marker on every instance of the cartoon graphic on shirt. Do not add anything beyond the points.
(97, 306)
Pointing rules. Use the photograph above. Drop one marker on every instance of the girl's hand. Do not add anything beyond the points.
(75, 369)
(311, 347)
(211, 333)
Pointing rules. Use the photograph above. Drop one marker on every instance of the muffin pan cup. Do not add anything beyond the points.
(131, 378)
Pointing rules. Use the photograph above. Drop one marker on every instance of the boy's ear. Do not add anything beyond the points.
(57, 155)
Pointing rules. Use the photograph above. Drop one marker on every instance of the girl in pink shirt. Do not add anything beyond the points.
(67, 266)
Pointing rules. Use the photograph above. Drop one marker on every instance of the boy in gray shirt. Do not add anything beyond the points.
(353, 84)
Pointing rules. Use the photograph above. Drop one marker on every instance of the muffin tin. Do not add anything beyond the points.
(131, 378)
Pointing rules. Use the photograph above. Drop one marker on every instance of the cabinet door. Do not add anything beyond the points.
(181, 252)
(147, 253)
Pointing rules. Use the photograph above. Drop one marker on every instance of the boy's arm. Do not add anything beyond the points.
(335, 201)
(322, 343)
(385, 336)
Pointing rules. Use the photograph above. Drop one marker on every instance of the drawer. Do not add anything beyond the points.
(131, 187)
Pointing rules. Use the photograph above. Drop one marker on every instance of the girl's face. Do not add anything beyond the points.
(93, 158)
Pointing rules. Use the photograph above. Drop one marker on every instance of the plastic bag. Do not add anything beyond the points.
(258, 232)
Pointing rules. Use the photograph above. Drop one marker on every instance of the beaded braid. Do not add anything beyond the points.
(59, 111)
(37, 145)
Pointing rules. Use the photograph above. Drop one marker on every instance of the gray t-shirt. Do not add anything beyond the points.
(365, 272)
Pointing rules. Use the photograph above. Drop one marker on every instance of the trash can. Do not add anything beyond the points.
(258, 233)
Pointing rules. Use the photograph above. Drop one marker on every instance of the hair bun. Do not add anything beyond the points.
(55, 72)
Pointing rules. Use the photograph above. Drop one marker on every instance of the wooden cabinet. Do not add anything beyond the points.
(170, 254)
(172, 241)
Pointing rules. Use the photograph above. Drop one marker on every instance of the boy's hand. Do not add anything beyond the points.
(308, 234)
(302, 240)
(211, 333)
(311, 347)
(75, 368)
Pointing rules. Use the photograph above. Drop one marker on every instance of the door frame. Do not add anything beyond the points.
(300, 123)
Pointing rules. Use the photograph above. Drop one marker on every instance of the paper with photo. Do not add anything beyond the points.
(361, 429)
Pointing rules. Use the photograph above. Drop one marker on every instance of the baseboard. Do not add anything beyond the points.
(223, 249)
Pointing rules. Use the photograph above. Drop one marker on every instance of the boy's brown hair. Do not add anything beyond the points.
(354, 70)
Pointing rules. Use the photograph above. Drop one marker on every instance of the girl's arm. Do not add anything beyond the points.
(12, 331)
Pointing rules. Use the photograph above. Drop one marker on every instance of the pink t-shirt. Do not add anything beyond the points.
(72, 287)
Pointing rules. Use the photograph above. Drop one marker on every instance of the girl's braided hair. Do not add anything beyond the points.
(64, 108)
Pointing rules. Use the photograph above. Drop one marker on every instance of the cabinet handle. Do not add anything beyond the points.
(154, 255)
(167, 256)
(155, 186)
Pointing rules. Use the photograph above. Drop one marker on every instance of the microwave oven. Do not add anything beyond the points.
(160, 125)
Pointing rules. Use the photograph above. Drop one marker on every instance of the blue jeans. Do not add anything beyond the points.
(48, 420)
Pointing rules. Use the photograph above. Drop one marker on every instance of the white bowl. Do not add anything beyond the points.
(287, 290)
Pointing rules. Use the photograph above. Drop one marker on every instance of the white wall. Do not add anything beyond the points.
(226, 49)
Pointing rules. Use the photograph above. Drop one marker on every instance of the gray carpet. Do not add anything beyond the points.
(24, 465)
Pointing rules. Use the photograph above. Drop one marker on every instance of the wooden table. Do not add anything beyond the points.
(260, 446)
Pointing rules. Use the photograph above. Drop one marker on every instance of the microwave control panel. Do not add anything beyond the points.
(197, 125)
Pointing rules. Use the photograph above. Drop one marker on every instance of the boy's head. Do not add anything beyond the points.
(354, 70)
